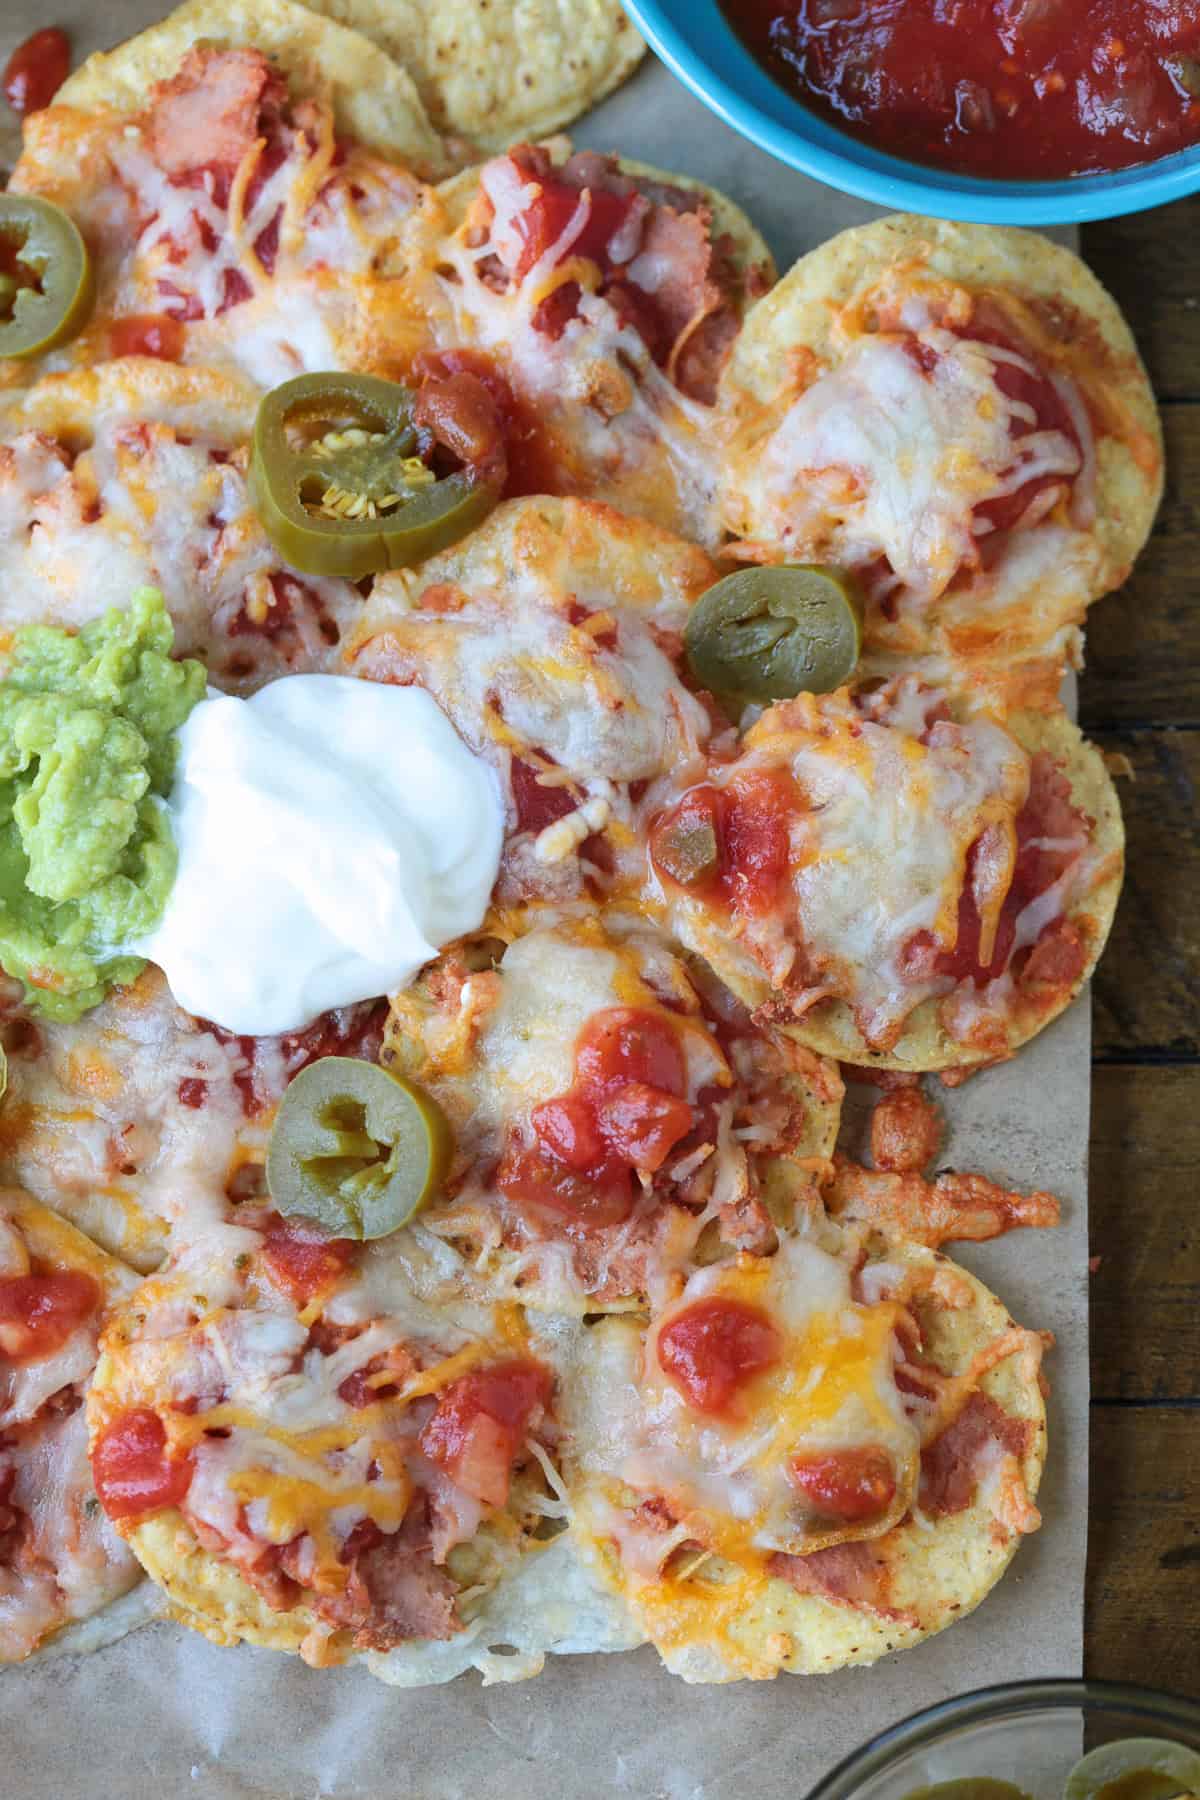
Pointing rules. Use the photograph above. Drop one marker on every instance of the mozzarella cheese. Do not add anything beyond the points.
(725, 1479)
(154, 495)
(878, 457)
(886, 814)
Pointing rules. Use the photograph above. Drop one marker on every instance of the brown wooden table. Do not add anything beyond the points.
(1140, 696)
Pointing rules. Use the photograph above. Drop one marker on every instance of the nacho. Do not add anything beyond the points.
(138, 1118)
(372, 1462)
(372, 98)
(703, 1575)
(238, 210)
(608, 294)
(165, 446)
(903, 884)
(497, 74)
(66, 1578)
(618, 1120)
(959, 416)
(551, 639)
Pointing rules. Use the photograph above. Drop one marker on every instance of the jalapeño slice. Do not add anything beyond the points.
(767, 633)
(337, 479)
(357, 1150)
(46, 288)
(1136, 1769)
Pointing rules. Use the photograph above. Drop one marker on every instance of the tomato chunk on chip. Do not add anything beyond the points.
(133, 1472)
(714, 1347)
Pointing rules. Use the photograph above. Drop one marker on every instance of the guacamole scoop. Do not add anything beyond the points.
(88, 727)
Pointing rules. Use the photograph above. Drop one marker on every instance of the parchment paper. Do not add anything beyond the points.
(165, 1715)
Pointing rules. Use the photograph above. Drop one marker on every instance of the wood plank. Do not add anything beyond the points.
(1143, 642)
(1150, 262)
(1142, 1618)
(1147, 988)
(1145, 1174)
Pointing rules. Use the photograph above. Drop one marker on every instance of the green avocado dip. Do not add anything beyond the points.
(87, 753)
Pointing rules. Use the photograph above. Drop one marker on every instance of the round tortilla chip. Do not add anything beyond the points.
(925, 1045)
(1060, 307)
(104, 1599)
(425, 1042)
(829, 1027)
(496, 74)
(721, 1624)
(509, 1601)
(373, 98)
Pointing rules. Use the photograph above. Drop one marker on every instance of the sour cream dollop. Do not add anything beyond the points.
(332, 835)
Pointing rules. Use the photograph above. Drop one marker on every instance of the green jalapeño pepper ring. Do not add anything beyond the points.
(46, 287)
(337, 478)
(767, 633)
(357, 1150)
(1136, 1769)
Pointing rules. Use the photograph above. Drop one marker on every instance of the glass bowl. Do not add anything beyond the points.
(1028, 1732)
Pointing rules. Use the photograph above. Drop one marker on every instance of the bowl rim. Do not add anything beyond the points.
(902, 185)
(1153, 1705)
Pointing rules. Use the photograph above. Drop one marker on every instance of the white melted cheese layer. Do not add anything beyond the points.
(881, 852)
(332, 835)
(880, 457)
(833, 1388)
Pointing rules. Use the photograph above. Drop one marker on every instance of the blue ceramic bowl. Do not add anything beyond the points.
(694, 39)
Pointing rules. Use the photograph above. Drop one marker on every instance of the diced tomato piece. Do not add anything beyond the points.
(567, 1126)
(625, 1044)
(148, 334)
(36, 70)
(481, 1423)
(546, 218)
(713, 1347)
(38, 1313)
(131, 1468)
(846, 1484)
(749, 819)
(303, 1263)
(600, 1195)
(643, 1124)
(759, 806)
(538, 803)
(625, 1110)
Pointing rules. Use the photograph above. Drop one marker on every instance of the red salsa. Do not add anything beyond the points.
(132, 1468)
(480, 1426)
(625, 1110)
(713, 1347)
(1020, 89)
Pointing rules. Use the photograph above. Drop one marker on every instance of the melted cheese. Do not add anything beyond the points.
(156, 495)
(218, 1349)
(69, 1561)
(878, 457)
(332, 294)
(726, 1478)
(620, 429)
(95, 1126)
(879, 845)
